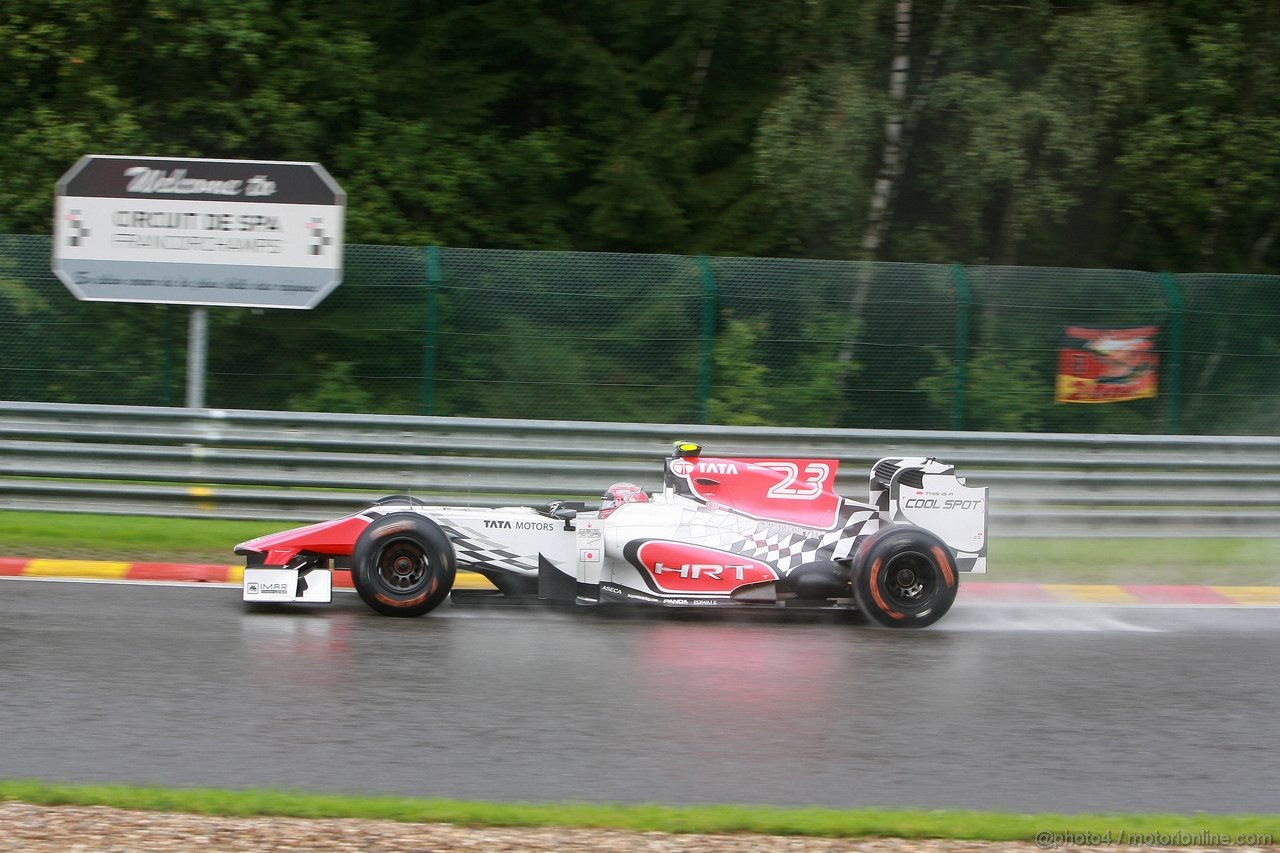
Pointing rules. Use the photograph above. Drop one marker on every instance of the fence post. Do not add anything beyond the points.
(964, 304)
(431, 331)
(1173, 413)
(708, 338)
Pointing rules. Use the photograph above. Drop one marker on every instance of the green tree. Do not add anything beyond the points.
(741, 396)
(1203, 170)
(1002, 394)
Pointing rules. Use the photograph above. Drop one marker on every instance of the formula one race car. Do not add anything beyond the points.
(745, 532)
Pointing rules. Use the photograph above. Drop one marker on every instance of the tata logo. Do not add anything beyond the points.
(502, 524)
(683, 467)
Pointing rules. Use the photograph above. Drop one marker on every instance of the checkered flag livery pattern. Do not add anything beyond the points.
(473, 548)
(781, 545)
(476, 550)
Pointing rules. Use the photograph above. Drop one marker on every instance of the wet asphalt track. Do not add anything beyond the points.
(1027, 708)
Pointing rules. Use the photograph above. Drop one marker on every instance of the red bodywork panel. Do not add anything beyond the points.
(679, 567)
(792, 491)
(330, 538)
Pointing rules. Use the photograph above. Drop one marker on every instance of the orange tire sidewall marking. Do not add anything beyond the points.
(875, 590)
(392, 602)
(944, 560)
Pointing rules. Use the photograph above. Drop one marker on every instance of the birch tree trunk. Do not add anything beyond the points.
(891, 158)
(701, 66)
(882, 190)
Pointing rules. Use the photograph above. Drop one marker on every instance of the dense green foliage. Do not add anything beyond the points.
(1074, 133)
(1081, 133)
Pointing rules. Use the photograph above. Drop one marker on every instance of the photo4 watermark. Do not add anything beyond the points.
(1053, 840)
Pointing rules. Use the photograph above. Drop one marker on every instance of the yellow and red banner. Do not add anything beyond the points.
(1107, 365)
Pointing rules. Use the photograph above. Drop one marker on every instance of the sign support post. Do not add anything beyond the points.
(197, 356)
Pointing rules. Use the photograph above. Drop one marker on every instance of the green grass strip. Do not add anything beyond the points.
(1230, 562)
(125, 537)
(710, 819)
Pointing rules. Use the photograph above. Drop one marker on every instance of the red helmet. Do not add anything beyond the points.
(619, 494)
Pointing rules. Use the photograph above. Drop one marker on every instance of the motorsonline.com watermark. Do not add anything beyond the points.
(1049, 840)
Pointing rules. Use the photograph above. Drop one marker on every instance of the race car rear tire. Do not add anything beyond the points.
(904, 577)
(403, 565)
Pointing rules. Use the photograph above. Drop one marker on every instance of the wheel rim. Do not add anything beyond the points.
(909, 580)
(403, 566)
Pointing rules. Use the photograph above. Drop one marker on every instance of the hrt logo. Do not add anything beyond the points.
(678, 567)
(713, 571)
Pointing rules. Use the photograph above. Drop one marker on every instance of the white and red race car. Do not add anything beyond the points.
(746, 532)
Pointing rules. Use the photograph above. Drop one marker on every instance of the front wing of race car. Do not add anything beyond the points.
(510, 546)
(267, 585)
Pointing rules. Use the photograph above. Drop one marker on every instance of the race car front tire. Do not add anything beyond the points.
(403, 565)
(904, 577)
(399, 500)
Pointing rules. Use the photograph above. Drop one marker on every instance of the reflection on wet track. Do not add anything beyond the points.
(1024, 707)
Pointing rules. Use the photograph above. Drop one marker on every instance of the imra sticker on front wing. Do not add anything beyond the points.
(261, 584)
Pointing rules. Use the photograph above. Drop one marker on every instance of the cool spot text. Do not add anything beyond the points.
(934, 503)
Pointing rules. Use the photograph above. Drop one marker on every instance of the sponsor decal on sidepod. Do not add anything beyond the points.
(677, 567)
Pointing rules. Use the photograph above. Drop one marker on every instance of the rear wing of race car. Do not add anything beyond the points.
(927, 493)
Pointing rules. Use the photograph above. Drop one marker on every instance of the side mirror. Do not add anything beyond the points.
(564, 512)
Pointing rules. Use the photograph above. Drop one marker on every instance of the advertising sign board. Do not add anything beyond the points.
(199, 232)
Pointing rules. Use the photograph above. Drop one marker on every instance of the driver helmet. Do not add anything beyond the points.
(619, 494)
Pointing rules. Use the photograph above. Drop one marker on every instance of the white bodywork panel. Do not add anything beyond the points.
(508, 538)
(944, 505)
(281, 585)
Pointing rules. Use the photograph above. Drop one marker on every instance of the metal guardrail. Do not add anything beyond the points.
(307, 466)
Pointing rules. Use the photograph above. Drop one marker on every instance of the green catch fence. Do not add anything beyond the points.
(670, 339)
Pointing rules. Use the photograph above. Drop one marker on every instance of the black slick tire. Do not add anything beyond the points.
(403, 565)
(904, 577)
(399, 500)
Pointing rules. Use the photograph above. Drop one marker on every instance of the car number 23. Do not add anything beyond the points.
(796, 485)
